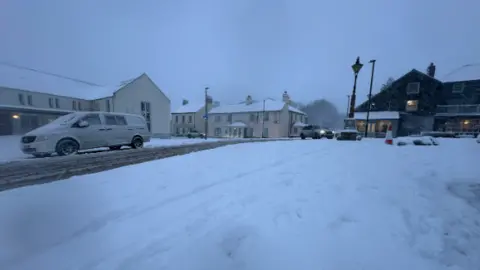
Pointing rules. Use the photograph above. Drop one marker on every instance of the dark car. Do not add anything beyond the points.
(316, 132)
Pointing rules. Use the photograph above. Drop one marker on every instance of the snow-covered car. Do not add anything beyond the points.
(195, 134)
(478, 138)
(417, 141)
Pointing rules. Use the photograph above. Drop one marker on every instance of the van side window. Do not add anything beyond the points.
(135, 120)
(110, 120)
(92, 119)
(120, 119)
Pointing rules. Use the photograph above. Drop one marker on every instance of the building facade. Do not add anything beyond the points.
(255, 119)
(23, 110)
(190, 117)
(418, 102)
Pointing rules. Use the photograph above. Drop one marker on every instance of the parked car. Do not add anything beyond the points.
(86, 130)
(478, 138)
(195, 134)
(348, 135)
(316, 132)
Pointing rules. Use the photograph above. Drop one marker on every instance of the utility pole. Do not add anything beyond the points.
(263, 118)
(206, 113)
(370, 96)
(348, 104)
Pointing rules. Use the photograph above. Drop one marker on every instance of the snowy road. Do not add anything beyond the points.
(315, 204)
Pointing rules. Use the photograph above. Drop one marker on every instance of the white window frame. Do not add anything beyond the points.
(409, 87)
(457, 88)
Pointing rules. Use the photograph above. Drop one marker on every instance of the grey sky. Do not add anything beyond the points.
(240, 47)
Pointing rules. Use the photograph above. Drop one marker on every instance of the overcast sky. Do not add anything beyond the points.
(240, 47)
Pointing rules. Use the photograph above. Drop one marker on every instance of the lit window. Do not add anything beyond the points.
(412, 105)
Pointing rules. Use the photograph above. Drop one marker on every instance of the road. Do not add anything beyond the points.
(315, 204)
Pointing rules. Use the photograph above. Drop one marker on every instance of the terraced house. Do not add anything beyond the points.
(264, 118)
(190, 116)
(29, 100)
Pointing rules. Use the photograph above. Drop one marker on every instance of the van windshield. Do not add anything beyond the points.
(65, 119)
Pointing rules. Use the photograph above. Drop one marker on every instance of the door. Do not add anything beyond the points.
(93, 135)
(6, 127)
(116, 130)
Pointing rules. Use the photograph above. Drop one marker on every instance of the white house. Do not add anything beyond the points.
(190, 117)
(264, 118)
(29, 100)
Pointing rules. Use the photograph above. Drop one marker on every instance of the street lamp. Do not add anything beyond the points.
(348, 104)
(206, 113)
(356, 67)
(370, 95)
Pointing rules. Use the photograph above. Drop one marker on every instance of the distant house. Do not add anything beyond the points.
(419, 102)
(190, 117)
(267, 118)
(29, 100)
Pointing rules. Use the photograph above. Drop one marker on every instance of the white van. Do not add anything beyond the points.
(86, 130)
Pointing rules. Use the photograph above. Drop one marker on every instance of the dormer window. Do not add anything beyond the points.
(457, 88)
(413, 88)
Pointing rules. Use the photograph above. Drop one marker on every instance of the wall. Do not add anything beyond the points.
(128, 100)
(9, 96)
(184, 126)
(413, 124)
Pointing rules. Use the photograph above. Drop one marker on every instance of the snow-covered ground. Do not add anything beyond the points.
(313, 204)
(10, 146)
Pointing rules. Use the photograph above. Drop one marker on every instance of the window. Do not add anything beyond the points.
(183, 119)
(149, 126)
(57, 103)
(93, 119)
(107, 105)
(120, 119)
(176, 120)
(110, 120)
(135, 120)
(79, 106)
(265, 132)
(413, 88)
(295, 130)
(29, 100)
(218, 118)
(266, 116)
(218, 131)
(74, 105)
(229, 118)
(252, 117)
(189, 119)
(412, 105)
(50, 102)
(21, 99)
(458, 88)
(178, 131)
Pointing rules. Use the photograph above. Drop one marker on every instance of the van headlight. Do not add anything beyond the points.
(41, 138)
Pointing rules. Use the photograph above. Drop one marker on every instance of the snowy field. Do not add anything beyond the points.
(291, 205)
(11, 151)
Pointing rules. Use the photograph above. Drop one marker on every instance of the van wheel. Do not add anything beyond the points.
(116, 147)
(66, 147)
(302, 136)
(137, 142)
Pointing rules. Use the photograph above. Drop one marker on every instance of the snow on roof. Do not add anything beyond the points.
(237, 124)
(189, 108)
(377, 115)
(270, 106)
(17, 78)
(468, 72)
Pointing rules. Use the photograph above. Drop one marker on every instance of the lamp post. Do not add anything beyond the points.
(370, 95)
(348, 104)
(206, 113)
(356, 67)
(263, 118)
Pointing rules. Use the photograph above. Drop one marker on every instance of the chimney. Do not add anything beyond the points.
(248, 100)
(431, 70)
(184, 102)
(286, 97)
